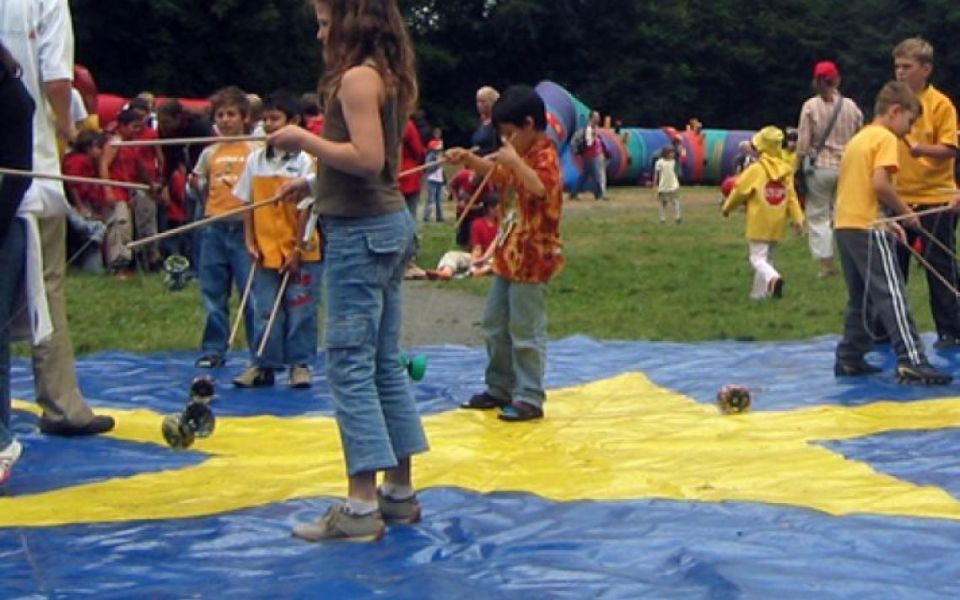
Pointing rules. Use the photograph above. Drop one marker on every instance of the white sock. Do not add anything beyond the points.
(396, 491)
(361, 507)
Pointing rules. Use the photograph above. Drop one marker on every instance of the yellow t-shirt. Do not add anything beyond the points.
(220, 166)
(922, 180)
(874, 147)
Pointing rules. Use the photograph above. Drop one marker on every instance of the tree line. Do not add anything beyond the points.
(734, 64)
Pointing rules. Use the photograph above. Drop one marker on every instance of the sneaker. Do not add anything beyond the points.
(210, 361)
(255, 377)
(300, 377)
(339, 524)
(405, 511)
(923, 373)
(947, 342)
(854, 368)
(414, 272)
(95, 426)
(484, 401)
(520, 411)
(776, 287)
(9, 457)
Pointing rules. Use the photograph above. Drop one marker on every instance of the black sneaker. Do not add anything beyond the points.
(854, 368)
(97, 425)
(776, 288)
(923, 373)
(484, 401)
(947, 342)
(210, 361)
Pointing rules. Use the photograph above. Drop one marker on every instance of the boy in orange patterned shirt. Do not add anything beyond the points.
(528, 253)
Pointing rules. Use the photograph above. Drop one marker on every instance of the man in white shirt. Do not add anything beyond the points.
(39, 35)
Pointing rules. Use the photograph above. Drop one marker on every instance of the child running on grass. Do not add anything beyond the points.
(527, 254)
(867, 251)
(766, 189)
(274, 239)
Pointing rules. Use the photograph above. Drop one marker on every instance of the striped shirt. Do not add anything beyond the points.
(814, 118)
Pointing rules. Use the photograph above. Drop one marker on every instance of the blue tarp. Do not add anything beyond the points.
(485, 541)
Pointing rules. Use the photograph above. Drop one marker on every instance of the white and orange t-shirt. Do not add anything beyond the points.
(275, 226)
(219, 167)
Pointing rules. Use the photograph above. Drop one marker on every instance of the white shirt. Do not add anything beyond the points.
(667, 168)
(78, 112)
(39, 35)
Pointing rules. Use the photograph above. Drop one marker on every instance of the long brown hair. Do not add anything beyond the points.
(369, 29)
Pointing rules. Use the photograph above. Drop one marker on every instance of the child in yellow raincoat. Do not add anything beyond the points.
(766, 189)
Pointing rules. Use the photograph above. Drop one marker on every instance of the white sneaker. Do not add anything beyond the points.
(8, 457)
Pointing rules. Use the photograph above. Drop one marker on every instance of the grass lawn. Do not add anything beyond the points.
(627, 277)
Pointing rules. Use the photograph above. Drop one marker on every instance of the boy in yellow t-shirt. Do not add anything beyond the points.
(927, 157)
(223, 256)
(867, 254)
(274, 239)
(765, 187)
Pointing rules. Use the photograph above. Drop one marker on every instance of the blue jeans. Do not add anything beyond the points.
(434, 197)
(293, 339)
(223, 259)
(515, 328)
(364, 261)
(592, 169)
(12, 251)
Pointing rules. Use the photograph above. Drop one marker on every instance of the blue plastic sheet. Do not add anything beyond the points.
(506, 543)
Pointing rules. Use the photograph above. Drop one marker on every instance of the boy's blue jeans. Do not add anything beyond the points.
(435, 198)
(515, 328)
(364, 262)
(223, 261)
(293, 339)
(12, 252)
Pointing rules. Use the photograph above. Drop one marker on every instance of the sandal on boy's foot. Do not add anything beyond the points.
(210, 361)
(521, 411)
(484, 401)
(339, 524)
(404, 511)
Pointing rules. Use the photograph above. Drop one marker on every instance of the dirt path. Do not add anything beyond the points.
(433, 315)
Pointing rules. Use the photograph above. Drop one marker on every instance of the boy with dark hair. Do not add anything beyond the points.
(223, 254)
(873, 280)
(925, 180)
(527, 254)
(274, 237)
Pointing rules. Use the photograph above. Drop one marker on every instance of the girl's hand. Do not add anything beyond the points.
(290, 138)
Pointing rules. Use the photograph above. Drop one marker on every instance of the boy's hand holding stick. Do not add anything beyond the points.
(444, 158)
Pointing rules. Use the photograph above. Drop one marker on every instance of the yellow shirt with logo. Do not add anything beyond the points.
(275, 226)
(874, 147)
(922, 180)
(766, 189)
(219, 167)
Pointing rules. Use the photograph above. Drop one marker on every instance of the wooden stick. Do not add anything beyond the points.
(930, 268)
(929, 211)
(473, 199)
(432, 163)
(273, 313)
(189, 140)
(74, 179)
(938, 243)
(190, 226)
(243, 305)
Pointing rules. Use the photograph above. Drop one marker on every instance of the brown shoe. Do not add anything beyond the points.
(340, 524)
(97, 425)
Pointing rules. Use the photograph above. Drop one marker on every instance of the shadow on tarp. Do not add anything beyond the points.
(503, 544)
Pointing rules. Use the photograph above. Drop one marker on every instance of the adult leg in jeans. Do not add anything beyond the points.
(54, 368)
(11, 274)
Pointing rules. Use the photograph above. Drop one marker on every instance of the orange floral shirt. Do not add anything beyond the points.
(528, 246)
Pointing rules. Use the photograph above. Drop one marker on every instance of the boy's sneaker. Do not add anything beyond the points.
(399, 511)
(854, 368)
(210, 361)
(923, 373)
(484, 401)
(339, 524)
(9, 457)
(254, 377)
(300, 377)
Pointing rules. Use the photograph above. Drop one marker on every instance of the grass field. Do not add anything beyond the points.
(627, 277)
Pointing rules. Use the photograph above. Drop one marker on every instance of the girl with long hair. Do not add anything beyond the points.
(368, 88)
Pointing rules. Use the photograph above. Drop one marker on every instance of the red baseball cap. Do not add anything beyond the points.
(826, 69)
